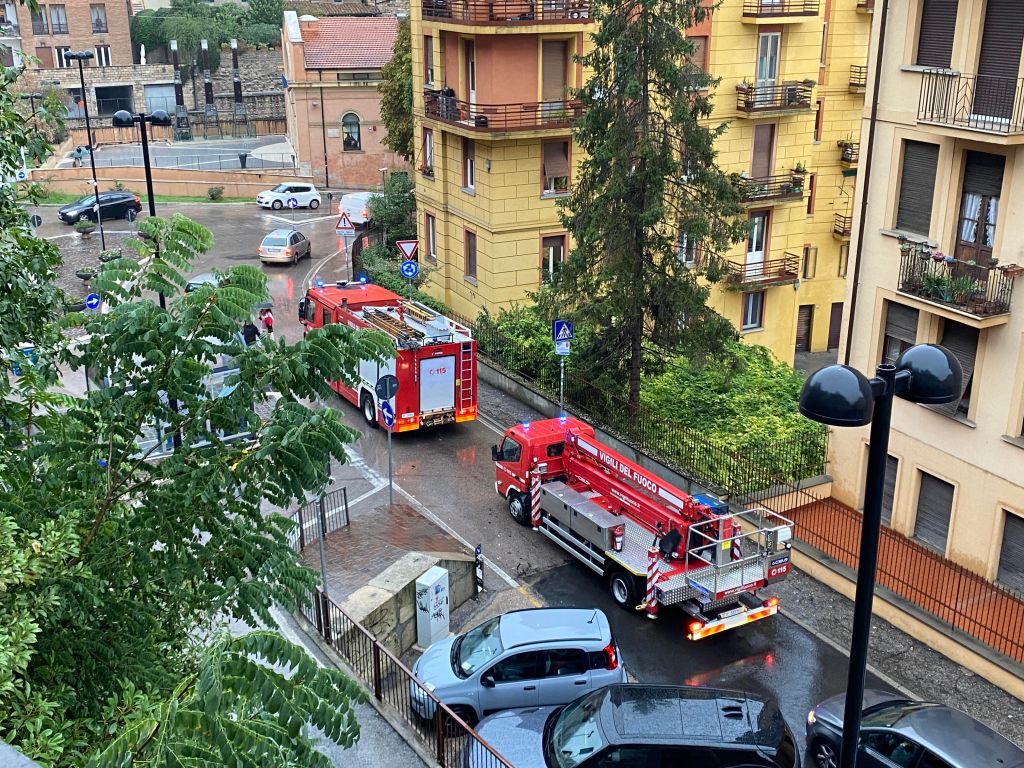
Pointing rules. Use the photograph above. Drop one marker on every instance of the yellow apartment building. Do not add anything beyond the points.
(942, 238)
(495, 151)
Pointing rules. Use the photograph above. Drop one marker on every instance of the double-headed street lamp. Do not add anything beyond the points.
(31, 98)
(841, 396)
(81, 56)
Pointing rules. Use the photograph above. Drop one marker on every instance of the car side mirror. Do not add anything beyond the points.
(494, 453)
(487, 681)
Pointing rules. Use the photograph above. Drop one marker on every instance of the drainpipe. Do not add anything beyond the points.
(323, 132)
(868, 155)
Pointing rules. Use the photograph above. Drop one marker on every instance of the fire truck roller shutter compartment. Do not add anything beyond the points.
(437, 384)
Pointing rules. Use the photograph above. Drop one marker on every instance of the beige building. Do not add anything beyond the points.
(948, 178)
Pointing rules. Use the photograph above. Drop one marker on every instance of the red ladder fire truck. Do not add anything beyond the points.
(435, 357)
(653, 544)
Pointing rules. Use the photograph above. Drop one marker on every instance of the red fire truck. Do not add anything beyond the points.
(653, 544)
(435, 357)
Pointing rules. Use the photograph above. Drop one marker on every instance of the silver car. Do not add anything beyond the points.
(284, 246)
(537, 657)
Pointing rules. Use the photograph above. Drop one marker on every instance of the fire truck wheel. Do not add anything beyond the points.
(622, 588)
(368, 411)
(519, 508)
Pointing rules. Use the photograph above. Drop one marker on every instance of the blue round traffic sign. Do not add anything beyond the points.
(92, 301)
(410, 269)
(387, 413)
(293, 202)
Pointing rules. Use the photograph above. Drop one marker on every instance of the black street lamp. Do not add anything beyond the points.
(841, 396)
(31, 98)
(81, 56)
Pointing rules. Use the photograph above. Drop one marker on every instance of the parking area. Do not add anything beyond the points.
(200, 155)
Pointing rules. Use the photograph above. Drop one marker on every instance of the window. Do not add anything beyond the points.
(900, 331)
(917, 187)
(1011, 554)
(892, 467)
(844, 259)
(427, 164)
(350, 141)
(325, 317)
(514, 669)
(699, 57)
(98, 14)
(979, 209)
(431, 228)
(812, 181)
(819, 121)
(469, 164)
(470, 246)
(102, 55)
(934, 505)
(510, 450)
(39, 26)
(556, 167)
(428, 59)
(962, 341)
(891, 746)
(824, 44)
(559, 662)
(552, 254)
(810, 262)
(928, 760)
(58, 20)
(58, 57)
(686, 249)
(753, 310)
(935, 35)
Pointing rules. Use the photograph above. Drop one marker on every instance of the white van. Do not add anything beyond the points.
(357, 206)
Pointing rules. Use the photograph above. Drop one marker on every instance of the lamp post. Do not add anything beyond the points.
(81, 56)
(841, 396)
(31, 98)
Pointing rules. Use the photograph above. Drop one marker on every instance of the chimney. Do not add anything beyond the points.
(308, 25)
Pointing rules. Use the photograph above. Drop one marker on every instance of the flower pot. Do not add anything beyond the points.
(85, 274)
(937, 257)
(75, 306)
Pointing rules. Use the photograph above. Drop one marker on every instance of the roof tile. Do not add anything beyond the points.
(350, 42)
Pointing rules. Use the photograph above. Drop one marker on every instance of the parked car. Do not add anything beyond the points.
(113, 205)
(642, 726)
(536, 657)
(206, 278)
(284, 246)
(357, 206)
(897, 731)
(306, 195)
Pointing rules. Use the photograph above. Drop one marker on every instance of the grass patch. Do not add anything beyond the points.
(63, 198)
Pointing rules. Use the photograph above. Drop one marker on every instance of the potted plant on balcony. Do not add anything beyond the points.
(935, 286)
(962, 289)
(799, 172)
(744, 86)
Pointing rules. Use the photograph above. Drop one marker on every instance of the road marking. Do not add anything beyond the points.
(368, 494)
(299, 221)
(314, 271)
(357, 461)
(490, 423)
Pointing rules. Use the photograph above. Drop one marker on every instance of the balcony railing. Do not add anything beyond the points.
(779, 8)
(773, 271)
(752, 99)
(9, 29)
(99, 26)
(501, 117)
(858, 77)
(842, 226)
(971, 288)
(59, 28)
(865, 6)
(849, 152)
(763, 189)
(974, 102)
(508, 11)
(39, 27)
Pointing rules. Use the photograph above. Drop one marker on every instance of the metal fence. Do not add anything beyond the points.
(768, 98)
(507, 11)
(532, 115)
(973, 288)
(220, 161)
(307, 530)
(979, 102)
(781, 186)
(770, 8)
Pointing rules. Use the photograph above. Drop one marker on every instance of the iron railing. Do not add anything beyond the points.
(849, 152)
(842, 226)
(106, 107)
(212, 161)
(39, 27)
(308, 524)
(769, 98)
(98, 27)
(977, 290)
(776, 8)
(973, 102)
(784, 270)
(858, 77)
(780, 187)
(58, 28)
(500, 117)
(9, 29)
(500, 12)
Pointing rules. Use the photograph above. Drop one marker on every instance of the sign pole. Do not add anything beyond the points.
(391, 485)
(561, 385)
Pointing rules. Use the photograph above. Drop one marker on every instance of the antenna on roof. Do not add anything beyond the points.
(594, 616)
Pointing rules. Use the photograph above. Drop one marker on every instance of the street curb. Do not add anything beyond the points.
(395, 722)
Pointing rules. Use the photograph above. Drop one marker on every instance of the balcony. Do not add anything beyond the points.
(59, 28)
(966, 287)
(849, 153)
(765, 100)
(771, 189)
(39, 27)
(759, 274)
(972, 102)
(494, 118)
(865, 6)
(776, 11)
(842, 227)
(502, 12)
(858, 78)
(9, 29)
(99, 27)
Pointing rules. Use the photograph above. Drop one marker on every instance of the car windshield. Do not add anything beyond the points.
(280, 188)
(88, 199)
(275, 240)
(478, 646)
(576, 734)
(887, 714)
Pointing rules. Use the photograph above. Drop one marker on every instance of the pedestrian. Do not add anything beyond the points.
(250, 333)
(267, 317)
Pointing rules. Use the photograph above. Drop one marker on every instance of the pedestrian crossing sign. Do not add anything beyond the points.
(562, 330)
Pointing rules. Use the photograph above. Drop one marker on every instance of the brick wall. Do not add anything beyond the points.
(79, 35)
(134, 75)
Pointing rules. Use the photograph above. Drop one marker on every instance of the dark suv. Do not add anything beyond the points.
(643, 726)
(113, 205)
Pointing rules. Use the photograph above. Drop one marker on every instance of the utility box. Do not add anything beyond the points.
(432, 607)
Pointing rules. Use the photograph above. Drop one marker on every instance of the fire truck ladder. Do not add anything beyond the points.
(404, 332)
(466, 372)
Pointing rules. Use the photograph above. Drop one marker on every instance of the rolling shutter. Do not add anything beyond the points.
(554, 69)
(1011, 556)
(1001, 39)
(764, 139)
(901, 322)
(983, 173)
(892, 464)
(935, 37)
(962, 341)
(917, 187)
(934, 506)
(556, 160)
(803, 327)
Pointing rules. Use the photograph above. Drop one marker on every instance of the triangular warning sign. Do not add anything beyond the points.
(344, 222)
(408, 247)
(564, 334)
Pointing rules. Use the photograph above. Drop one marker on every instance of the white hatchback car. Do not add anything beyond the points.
(306, 196)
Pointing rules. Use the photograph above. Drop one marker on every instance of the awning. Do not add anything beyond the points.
(556, 160)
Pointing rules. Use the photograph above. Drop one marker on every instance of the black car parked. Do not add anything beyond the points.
(113, 205)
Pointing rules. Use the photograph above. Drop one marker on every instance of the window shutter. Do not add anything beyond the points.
(962, 341)
(761, 162)
(934, 506)
(1001, 40)
(917, 187)
(935, 37)
(983, 174)
(1011, 556)
(901, 322)
(554, 69)
(892, 464)
(556, 160)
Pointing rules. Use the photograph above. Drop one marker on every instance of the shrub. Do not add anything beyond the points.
(84, 226)
(215, 193)
(119, 187)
